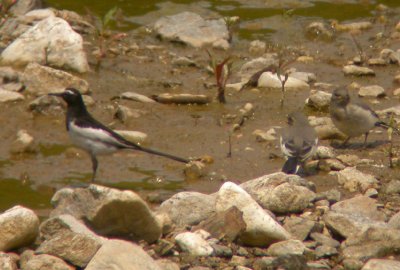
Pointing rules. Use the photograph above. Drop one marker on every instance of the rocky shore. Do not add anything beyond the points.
(275, 221)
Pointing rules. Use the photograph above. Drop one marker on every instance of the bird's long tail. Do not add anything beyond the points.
(291, 165)
(387, 126)
(158, 153)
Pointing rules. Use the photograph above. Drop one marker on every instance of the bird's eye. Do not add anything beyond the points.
(69, 92)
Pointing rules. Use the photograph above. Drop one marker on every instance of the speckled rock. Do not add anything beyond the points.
(40, 80)
(188, 208)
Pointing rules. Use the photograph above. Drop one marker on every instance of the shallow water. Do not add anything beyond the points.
(31, 179)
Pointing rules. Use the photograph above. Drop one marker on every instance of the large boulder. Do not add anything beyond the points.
(51, 41)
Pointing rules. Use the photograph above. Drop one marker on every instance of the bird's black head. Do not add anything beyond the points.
(340, 96)
(71, 96)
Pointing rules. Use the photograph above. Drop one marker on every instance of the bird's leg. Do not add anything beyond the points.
(345, 142)
(365, 139)
(94, 166)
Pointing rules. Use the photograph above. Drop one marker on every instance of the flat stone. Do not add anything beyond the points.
(325, 240)
(188, 208)
(292, 247)
(354, 216)
(10, 96)
(46, 262)
(373, 242)
(358, 71)
(190, 28)
(136, 97)
(381, 264)
(372, 91)
(299, 228)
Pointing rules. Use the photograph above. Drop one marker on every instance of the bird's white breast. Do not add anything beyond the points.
(95, 141)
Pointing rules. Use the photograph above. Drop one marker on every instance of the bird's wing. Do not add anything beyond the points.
(97, 131)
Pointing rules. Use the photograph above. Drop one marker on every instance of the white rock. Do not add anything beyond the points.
(23, 143)
(136, 97)
(354, 180)
(8, 262)
(381, 264)
(270, 80)
(10, 96)
(371, 91)
(121, 255)
(307, 77)
(133, 136)
(18, 227)
(192, 29)
(263, 136)
(261, 228)
(257, 47)
(194, 244)
(40, 80)
(51, 41)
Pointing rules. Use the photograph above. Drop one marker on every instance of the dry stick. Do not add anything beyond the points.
(283, 82)
(390, 132)
(359, 48)
(229, 145)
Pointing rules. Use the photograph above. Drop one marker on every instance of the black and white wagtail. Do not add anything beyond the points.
(298, 142)
(94, 137)
(352, 116)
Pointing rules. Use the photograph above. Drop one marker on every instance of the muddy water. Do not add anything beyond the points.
(31, 179)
